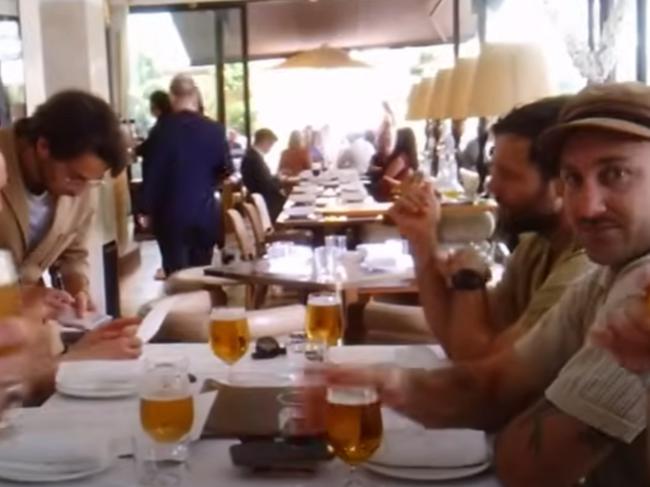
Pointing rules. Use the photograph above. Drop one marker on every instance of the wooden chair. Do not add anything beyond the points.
(255, 294)
(269, 233)
(244, 242)
(255, 221)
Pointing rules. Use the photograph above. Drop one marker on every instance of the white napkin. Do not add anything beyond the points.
(103, 377)
(154, 319)
(432, 448)
(38, 451)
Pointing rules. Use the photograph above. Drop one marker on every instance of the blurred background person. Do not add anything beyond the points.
(186, 163)
(159, 106)
(314, 143)
(295, 158)
(398, 166)
(257, 176)
(359, 154)
(234, 144)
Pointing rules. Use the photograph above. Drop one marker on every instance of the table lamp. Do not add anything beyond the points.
(438, 110)
(418, 104)
(460, 91)
(506, 75)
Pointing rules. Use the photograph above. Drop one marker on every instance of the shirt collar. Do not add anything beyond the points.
(608, 275)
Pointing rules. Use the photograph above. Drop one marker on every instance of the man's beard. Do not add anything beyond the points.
(530, 221)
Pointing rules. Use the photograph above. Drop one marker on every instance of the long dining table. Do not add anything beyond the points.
(209, 462)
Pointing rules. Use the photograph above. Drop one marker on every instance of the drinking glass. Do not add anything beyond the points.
(12, 390)
(229, 335)
(166, 418)
(10, 302)
(323, 318)
(324, 263)
(354, 426)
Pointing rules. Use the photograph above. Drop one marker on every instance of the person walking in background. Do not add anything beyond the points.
(159, 106)
(188, 159)
(257, 176)
(295, 158)
(401, 164)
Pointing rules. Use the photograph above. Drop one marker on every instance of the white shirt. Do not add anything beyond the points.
(361, 151)
(41, 209)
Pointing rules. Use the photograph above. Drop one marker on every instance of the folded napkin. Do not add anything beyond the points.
(42, 452)
(101, 376)
(432, 449)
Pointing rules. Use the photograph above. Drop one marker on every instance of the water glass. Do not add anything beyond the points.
(325, 263)
(301, 352)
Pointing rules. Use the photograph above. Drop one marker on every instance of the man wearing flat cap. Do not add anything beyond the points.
(564, 411)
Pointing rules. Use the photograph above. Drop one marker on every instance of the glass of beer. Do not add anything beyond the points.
(9, 288)
(166, 403)
(229, 335)
(166, 419)
(354, 426)
(324, 321)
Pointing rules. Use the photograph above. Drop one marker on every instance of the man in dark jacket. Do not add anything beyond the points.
(189, 157)
(257, 176)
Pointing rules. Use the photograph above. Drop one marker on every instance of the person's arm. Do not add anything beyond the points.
(74, 267)
(481, 395)
(417, 215)
(545, 446)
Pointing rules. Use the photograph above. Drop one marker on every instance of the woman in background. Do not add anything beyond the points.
(401, 164)
(295, 158)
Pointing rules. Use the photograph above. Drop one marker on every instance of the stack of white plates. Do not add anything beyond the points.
(299, 211)
(303, 198)
(98, 378)
(430, 455)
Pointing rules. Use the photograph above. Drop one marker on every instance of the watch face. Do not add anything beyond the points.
(467, 279)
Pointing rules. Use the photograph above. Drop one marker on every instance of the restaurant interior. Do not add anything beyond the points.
(270, 355)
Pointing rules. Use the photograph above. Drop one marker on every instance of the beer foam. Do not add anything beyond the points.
(223, 314)
(352, 396)
(323, 300)
(165, 396)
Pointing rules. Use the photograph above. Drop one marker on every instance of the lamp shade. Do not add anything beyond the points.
(460, 88)
(508, 75)
(418, 102)
(324, 57)
(439, 102)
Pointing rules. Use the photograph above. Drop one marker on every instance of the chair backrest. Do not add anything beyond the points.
(263, 211)
(244, 240)
(256, 224)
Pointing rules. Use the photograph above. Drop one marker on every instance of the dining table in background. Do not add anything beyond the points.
(298, 273)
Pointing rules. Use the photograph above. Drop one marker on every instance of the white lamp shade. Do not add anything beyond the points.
(324, 57)
(508, 75)
(419, 98)
(460, 88)
(439, 102)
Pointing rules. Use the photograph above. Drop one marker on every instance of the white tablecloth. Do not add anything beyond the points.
(210, 463)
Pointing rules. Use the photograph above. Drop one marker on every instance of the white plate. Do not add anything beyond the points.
(426, 474)
(22, 476)
(95, 393)
(299, 211)
(303, 198)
